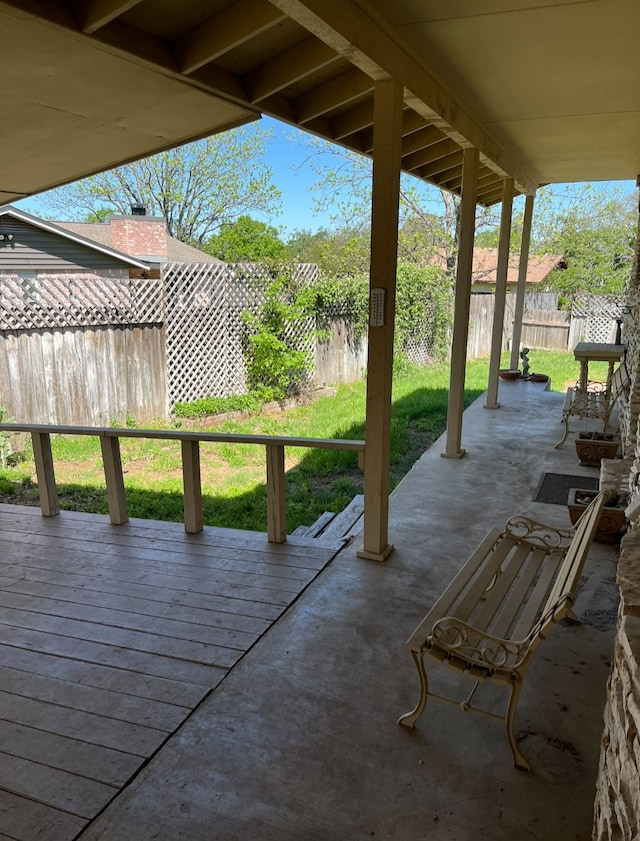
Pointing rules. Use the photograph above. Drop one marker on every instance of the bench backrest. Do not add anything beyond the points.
(562, 594)
(619, 382)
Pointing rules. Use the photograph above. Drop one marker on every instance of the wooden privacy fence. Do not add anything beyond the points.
(191, 477)
(592, 318)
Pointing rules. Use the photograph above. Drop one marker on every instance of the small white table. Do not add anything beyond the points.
(586, 352)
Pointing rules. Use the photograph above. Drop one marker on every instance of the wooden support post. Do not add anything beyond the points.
(387, 149)
(501, 294)
(47, 489)
(193, 518)
(116, 496)
(453, 448)
(276, 498)
(522, 281)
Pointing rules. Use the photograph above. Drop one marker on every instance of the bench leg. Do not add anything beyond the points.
(410, 718)
(519, 759)
(565, 421)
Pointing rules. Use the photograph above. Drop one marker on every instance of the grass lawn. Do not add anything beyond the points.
(233, 476)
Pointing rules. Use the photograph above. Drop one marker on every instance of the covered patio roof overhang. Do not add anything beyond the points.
(485, 100)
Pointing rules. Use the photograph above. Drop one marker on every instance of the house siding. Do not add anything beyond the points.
(34, 249)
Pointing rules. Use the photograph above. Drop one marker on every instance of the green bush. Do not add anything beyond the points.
(217, 406)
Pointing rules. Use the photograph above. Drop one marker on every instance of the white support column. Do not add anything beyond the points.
(522, 281)
(387, 147)
(464, 268)
(501, 293)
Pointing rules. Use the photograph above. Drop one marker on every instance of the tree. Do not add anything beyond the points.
(246, 241)
(344, 251)
(594, 229)
(198, 187)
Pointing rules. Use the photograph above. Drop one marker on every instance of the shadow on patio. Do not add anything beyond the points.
(300, 739)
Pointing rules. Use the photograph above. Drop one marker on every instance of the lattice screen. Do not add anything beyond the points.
(599, 313)
(205, 329)
(50, 301)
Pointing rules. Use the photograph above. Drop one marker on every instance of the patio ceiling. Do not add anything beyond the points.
(546, 91)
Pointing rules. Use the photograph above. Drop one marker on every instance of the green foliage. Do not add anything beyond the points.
(197, 187)
(217, 406)
(275, 367)
(424, 309)
(344, 251)
(6, 447)
(345, 295)
(246, 241)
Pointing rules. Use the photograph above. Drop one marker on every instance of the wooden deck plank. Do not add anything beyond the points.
(104, 677)
(109, 655)
(140, 641)
(135, 739)
(124, 620)
(212, 558)
(170, 536)
(109, 637)
(107, 765)
(90, 699)
(162, 609)
(52, 787)
(225, 605)
(26, 820)
(127, 569)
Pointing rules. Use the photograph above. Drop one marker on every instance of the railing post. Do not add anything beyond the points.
(112, 464)
(276, 500)
(192, 485)
(47, 489)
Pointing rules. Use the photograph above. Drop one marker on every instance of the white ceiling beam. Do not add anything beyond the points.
(422, 139)
(441, 165)
(356, 119)
(360, 33)
(429, 154)
(289, 67)
(411, 121)
(224, 31)
(94, 14)
(332, 94)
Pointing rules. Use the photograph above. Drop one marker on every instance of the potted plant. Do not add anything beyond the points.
(612, 521)
(592, 447)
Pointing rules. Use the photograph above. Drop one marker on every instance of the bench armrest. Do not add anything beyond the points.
(462, 640)
(548, 537)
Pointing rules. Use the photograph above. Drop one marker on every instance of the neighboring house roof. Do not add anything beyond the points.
(485, 261)
(177, 251)
(58, 229)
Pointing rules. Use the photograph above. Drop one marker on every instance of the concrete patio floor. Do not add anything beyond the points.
(300, 740)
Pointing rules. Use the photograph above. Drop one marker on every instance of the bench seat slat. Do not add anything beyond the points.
(522, 594)
(499, 597)
(418, 639)
(539, 596)
(482, 586)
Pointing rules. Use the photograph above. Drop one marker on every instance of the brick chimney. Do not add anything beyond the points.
(140, 236)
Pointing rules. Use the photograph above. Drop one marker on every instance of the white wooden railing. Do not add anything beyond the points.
(190, 442)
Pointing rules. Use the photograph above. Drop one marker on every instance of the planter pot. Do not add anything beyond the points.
(509, 374)
(592, 447)
(612, 521)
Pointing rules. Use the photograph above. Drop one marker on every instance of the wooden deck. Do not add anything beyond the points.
(109, 637)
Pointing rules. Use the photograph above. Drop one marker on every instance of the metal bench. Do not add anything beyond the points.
(596, 401)
(503, 602)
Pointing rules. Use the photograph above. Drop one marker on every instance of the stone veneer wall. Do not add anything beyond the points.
(617, 804)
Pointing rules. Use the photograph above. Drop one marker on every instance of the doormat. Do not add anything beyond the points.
(553, 488)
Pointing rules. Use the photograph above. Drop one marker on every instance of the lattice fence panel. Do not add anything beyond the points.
(51, 301)
(205, 303)
(599, 313)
